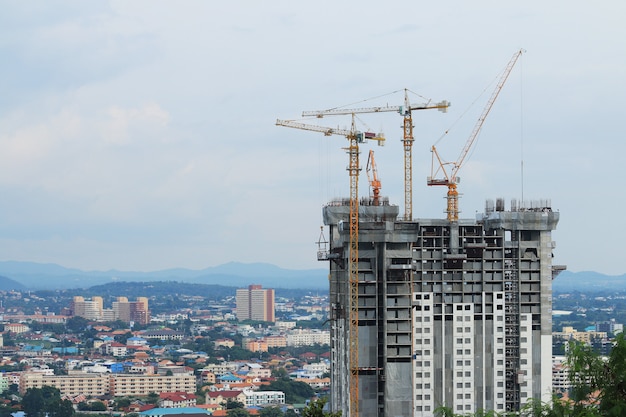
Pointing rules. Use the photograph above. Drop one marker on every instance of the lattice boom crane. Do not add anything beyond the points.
(407, 140)
(438, 167)
(354, 138)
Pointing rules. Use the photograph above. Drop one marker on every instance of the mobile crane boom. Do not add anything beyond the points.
(450, 179)
(373, 179)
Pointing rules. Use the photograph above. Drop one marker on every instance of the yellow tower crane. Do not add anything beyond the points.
(406, 112)
(439, 174)
(354, 138)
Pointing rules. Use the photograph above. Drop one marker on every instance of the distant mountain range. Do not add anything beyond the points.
(588, 281)
(37, 276)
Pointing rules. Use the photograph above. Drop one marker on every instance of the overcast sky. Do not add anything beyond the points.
(140, 135)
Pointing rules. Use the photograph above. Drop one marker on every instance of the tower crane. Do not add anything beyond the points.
(354, 138)
(373, 178)
(448, 177)
(406, 112)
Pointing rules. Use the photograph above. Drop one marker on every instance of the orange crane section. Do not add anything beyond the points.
(373, 178)
(439, 174)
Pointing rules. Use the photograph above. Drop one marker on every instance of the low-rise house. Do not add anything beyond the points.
(177, 400)
(207, 377)
(163, 334)
(16, 328)
(262, 398)
(222, 397)
(115, 349)
(228, 343)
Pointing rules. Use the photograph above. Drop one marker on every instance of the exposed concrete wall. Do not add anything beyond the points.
(486, 272)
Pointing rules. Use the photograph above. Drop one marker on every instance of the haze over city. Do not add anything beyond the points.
(141, 135)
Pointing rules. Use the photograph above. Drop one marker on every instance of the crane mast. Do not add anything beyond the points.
(450, 179)
(354, 138)
(407, 138)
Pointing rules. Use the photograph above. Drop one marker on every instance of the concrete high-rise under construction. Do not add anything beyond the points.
(454, 314)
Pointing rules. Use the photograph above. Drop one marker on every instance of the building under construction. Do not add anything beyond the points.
(454, 314)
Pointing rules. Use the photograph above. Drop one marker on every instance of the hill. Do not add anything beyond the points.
(588, 281)
(7, 284)
(40, 276)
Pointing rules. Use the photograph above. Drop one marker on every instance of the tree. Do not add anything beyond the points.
(598, 385)
(234, 404)
(237, 412)
(121, 403)
(77, 324)
(66, 409)
(39, 402)
(153, 397)
(316, 409)
(98, 406)
(272, 411)
(33, 403)
(295, 391)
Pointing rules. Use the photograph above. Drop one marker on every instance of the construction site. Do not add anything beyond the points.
(429, 313)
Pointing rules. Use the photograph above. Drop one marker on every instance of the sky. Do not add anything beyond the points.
(140, 135)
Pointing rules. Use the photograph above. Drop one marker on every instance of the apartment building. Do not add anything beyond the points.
(255, 303)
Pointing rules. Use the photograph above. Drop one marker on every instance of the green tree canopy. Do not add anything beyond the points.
(39, 402)
(237, 412)
(271, 412)
(295, 391)
(316, 409)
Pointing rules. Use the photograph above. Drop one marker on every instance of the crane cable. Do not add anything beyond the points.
(472, 104)
(522, 126)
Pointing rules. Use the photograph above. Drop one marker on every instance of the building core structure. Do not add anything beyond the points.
(450, 313)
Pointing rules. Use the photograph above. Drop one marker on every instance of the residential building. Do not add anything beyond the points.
(255, 303)
(16, 328)
(125, 385)
(122, 309)
(610, 326)
(308, 337)
(569, 333)
(89, 309)
(117, 385)
(275, 341)
(448, 313)
(261, 398)
(177, 400)
(4, 383)
(75, 383)
(255, 345)
(228, 343)
(223, 397)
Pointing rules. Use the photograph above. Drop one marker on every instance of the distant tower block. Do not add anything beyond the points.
(255, 303)
(450, 313)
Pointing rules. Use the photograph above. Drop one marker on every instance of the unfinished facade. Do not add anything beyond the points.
(454, 314)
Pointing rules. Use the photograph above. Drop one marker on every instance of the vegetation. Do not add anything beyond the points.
(316, 409)
(46, 401)
(295, 391)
